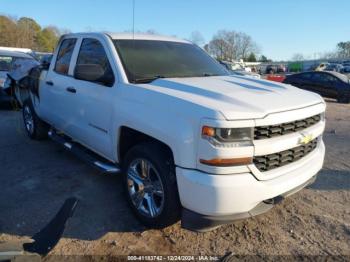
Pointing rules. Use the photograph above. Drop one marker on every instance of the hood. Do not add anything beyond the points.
(236, 97)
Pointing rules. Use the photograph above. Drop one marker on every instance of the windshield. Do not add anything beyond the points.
(5, 63)
(151, 59)
(342, 77)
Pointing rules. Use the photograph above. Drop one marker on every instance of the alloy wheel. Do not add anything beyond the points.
(145, 188)
(28, 119)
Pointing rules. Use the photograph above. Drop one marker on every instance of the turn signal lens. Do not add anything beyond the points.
(208, 131)
(227, 162)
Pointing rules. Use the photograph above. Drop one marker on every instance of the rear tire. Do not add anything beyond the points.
(343, 98)
(36, 128)
(153, 197)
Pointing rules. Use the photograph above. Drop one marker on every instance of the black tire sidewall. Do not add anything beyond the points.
(166, 170)
(28, 104)
(343, 98)
(40, 128)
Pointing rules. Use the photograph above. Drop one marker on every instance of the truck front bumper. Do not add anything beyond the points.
(211, 200)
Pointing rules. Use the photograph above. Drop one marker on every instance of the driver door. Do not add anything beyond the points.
(93, 99)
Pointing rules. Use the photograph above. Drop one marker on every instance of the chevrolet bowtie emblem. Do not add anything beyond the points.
(305, 139)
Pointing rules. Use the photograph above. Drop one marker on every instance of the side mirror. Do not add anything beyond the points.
(93, 73)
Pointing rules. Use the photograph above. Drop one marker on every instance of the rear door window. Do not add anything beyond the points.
(64, 56)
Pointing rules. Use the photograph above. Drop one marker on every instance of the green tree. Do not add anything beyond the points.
(47, 39)
(251, 57)
(27, 33)
(263, 59)
(8, 31)
(344, 49)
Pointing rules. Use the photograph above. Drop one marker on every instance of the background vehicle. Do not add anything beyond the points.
(44, 58)
(327, 84)
(322, 66)
(245, 73)
(273, 69)
(10, 61)
(235, 66)
(346, 63)
(189, 139)
(334, 67)
(346, 71)
(239, 72)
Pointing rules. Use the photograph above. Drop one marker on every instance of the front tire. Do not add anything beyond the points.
(343, 98)
(36, 128)
(150, 183)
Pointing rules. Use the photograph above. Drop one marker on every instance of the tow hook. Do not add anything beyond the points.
(274, 201)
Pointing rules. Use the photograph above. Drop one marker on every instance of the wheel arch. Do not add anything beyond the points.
(129, 137)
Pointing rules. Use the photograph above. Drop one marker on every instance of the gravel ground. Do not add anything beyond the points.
(36, 178)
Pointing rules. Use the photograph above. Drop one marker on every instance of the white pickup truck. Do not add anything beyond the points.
(190, 140)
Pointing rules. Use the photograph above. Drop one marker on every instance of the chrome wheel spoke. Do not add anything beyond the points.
(145, 169)
(151, 205)
(157, 189)
(28, 120)
(137, 199)
(134, 176)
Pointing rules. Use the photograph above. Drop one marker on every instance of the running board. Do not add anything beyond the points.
(85, 154)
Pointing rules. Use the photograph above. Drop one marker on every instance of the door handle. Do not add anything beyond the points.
(50, 83)
(71, 89)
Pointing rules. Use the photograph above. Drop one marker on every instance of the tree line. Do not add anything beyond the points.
(342, 51)
(230, 45)
(27, 33)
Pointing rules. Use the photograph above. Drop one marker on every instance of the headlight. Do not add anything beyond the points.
(228, 137)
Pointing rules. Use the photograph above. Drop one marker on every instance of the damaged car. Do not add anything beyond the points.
(15, 67)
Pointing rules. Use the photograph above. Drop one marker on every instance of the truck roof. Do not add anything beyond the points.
(136, 36)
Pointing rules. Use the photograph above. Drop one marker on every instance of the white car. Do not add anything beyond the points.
(10, 61)
(190, 140)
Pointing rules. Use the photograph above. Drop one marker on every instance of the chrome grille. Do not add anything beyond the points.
(271, 161)
(263, 132)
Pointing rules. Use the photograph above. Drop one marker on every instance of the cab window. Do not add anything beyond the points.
(64, 56)
(92, 58)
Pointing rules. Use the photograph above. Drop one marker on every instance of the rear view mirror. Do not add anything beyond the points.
(93, 73)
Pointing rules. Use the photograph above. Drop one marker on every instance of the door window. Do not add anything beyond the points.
(93, 55)
(319, 78)
(64, 56)
(306, 76)
(331, 79)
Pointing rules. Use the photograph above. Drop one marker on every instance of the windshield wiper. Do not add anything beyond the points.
(146, 79)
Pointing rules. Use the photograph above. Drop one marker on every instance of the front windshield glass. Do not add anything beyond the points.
(143, 59)
(342, 77)
(5, 63)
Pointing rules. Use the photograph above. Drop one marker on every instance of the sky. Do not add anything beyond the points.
(281, 28)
